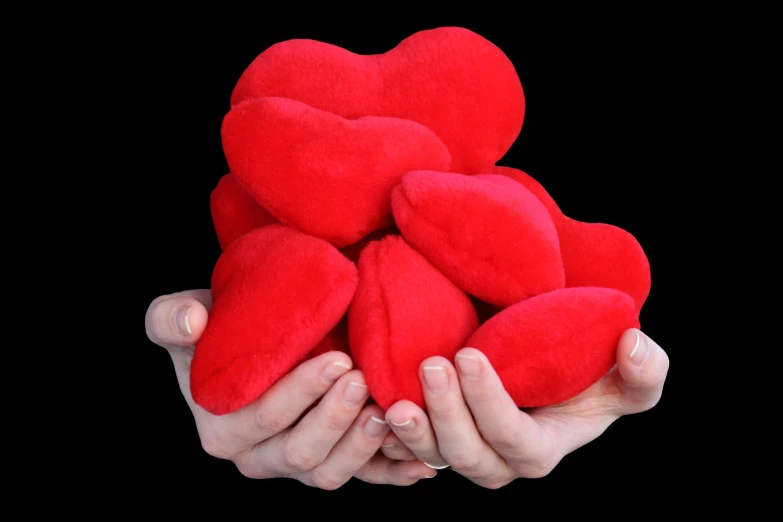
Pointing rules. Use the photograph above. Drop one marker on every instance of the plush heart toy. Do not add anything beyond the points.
(365, 212)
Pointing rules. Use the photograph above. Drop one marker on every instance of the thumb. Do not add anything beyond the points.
(178, 320)
(642, 367)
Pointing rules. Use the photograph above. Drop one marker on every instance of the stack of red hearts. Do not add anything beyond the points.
(364, 212)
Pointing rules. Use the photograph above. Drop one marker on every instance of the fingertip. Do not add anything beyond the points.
(339, 358)
(640, 360)
(473, 365)
(336, 362)
(353, 376)
(373, 410)
(437, 374)
(196, 319)
(472, 352)
(175, 321)
(435, 362)
(331, 365)
(419, 470)
(391, 439)
(630, 345)
(402, 414)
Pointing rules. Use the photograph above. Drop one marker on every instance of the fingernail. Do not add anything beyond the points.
(181, 320)
(375, 427)
(387, 445)
(436, 378)
(407, 425)
(430, 476)
(468, 366)
(640, 351)
(334, 371)
(354, 394)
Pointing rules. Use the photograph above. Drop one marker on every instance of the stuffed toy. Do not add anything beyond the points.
(365, 211)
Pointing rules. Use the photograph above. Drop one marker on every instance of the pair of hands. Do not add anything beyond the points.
(314, 425)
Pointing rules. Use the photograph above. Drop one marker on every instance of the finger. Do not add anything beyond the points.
(394, 449)
(410, 424)
(309, 442)
(178, 320)
(280, 406)
(459, 439)
(642, 366)
(353, 451)
(381, 470)
(513, 434)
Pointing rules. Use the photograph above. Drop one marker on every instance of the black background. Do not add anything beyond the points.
(595, 135)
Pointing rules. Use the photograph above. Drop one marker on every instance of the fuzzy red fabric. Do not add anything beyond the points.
(554, 346)
(320, 173)
(488, 234)
(335, 341)
(234, 211)
(449, 79)
(353, 251)
(276, 294)
(594, 254)
(404, 311)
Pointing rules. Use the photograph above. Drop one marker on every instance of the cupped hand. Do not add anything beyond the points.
(474, 426)
(335, 440)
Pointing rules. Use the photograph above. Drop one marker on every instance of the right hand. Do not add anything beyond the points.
(336, 440)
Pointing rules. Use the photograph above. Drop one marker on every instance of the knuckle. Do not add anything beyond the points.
(267, 421)
(314, 389)
(495, 483)
(653, 387)
(336, 422)
(212, 447)
(299, 460)
(326, 481)
(248, 471)
(650, 403)
(505, 437)
(465, 463)
(538, 470)
(370, 476)
(443, 414)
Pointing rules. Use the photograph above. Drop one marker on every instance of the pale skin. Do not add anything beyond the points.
(471, 425)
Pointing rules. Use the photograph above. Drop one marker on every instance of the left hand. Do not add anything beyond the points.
(311, 425)
(475, 427)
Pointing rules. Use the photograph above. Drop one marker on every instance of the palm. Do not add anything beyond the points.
(586, 416)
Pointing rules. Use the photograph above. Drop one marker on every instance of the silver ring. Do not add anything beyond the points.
(436, 467)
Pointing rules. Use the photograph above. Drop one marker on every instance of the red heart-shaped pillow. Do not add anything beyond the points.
(487, 233)
(276, 294)
(449, 79)
(594, 254)
(234, 211)
(554, 346)
(404, 311)
(320, 173)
